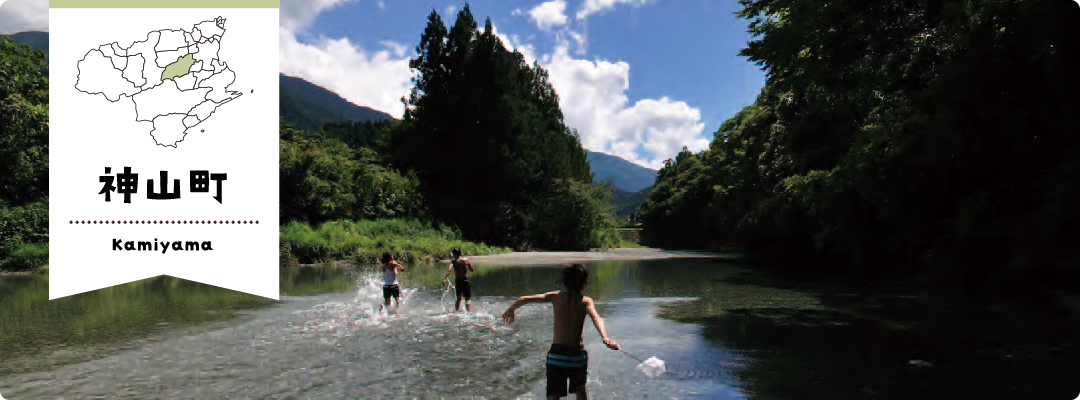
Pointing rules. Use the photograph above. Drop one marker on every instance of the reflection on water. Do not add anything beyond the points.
(720, 336)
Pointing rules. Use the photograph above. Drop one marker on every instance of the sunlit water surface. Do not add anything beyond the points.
(343, 345)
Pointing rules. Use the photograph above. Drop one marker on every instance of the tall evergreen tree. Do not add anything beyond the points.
(484, 132)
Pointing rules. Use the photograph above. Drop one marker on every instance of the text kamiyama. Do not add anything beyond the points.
(162, 246)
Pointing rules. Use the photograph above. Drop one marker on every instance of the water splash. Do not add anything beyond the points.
(442, 301)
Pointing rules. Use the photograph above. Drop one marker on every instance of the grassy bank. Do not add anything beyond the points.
(364, 242)
(27, 257)
(24, 237)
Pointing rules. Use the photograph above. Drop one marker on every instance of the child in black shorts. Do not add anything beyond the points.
(567, 361)
(391, 288)
(461, 267)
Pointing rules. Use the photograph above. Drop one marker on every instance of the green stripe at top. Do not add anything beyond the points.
(163, 3)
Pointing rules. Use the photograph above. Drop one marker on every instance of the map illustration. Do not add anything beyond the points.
(174, 78)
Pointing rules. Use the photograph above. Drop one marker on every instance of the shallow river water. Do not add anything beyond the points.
(690, 313)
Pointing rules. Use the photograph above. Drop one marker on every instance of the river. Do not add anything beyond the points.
(723, 332)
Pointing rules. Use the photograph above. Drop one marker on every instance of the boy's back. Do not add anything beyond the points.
(461, 268)
(463, 288)
(569, 317)
(567, 361)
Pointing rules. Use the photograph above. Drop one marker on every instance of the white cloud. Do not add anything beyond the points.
(593, 98)
(593, 95)
(549, 14)
(297, 15)
(597, 6)
(23, 15)
(552, 14)
(578, 38)
(450, 10)
(397, 49)
(382, 5)
(376, 79)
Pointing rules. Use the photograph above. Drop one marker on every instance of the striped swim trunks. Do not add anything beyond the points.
(566, 363)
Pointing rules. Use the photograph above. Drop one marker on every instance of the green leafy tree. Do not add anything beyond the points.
(895, 139)
(484, 133)
(24, 123)
(324, 179)
(24, 149)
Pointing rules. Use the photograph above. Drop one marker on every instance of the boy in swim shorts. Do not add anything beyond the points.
(567, 359)
(461, 267)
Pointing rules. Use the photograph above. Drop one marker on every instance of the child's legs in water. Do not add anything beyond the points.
(579, 395)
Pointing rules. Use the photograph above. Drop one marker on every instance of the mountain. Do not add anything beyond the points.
(626, 202)
(308, 106)
(37, 40)
(625, 175)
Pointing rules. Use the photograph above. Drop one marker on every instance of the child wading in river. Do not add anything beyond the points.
(390, 283)
(461, 267)
(567, 359)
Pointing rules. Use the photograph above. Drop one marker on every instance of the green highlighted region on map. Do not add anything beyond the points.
(179, 68)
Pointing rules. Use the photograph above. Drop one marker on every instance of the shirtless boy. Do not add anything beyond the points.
(567, 359)
(461, 267)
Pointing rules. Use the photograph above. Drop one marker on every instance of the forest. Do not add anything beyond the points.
(482, 148)
(482, 158)
(894, 140)
(24, 157)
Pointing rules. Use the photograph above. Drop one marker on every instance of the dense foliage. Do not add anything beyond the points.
(485, 135)
(626, 203)
(894, 138)
(24, 155)
(322, 178)
(409, 240)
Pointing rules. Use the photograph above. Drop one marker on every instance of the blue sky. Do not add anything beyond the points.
(637, 78)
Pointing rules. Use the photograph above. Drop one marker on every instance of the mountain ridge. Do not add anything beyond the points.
(626, 176)
(309, 106)
(35, 39)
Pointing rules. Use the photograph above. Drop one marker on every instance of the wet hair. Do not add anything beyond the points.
(387, 258)
(575, 276)
(456, 252)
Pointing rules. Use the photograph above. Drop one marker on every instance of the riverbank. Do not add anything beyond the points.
(363, 242)
(562, 257)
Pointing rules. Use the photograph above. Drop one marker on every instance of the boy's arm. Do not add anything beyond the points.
(468, 264)
(590, 308)
(399, 266)
(508, 316)
(449, 268)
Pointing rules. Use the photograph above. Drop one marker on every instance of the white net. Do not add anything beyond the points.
(653, 367)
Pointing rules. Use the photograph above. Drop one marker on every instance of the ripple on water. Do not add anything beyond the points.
(348, 346)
